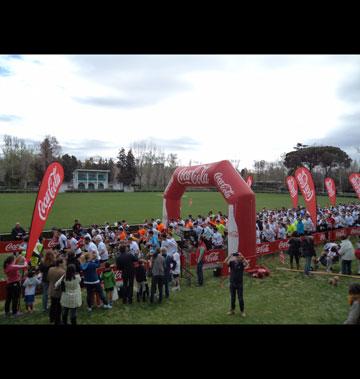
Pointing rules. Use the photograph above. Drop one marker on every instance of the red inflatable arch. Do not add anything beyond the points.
(238, 195)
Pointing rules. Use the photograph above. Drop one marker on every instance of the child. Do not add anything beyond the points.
(141, 282)
(30, 284)
(108, 277)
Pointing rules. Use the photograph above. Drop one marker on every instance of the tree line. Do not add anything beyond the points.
(144, 165)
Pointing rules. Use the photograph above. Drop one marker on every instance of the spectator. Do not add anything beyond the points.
(168, 264)
(77, 228)
(217, 240)
(47, 262)
(354, 301)
(13, 285)
(237, 264)
(125, 263)
(62, 241)
(294, 250)
(74, 244)
(176, 271)
(347, 255)
(71, 294)
(71, 259)
(357, 254)
(153, 241)
(54, 274)
(101, 247)
(134, 247)
(37, 253)
(300, 227)
(91, 248)
(89, 264)
(108, 277)
(141, 281)
(157, 272)
(30, 285)
(308, 252)
(199, 260)
(18, 232)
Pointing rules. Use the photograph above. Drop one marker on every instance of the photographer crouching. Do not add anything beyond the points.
(237, 264)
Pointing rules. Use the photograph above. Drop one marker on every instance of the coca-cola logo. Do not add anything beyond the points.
(330, 188)
(212, 257)
(225, 188)
(11, 247)
(283, 245)
(340, 233)
(355, 181)
(199, 175)
(118, 276)
(53, 243)
(263, 248)
(354, 231)
(291, 184)
(44, 205)
(303, 179)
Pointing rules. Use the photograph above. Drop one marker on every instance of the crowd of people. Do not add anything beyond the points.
(148, 258)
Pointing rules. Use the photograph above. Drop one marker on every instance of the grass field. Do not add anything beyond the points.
(99, 208)
(281, 298)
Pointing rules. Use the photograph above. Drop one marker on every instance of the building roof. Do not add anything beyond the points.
(85, 169)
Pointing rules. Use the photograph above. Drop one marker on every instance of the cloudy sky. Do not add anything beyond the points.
(204, 108)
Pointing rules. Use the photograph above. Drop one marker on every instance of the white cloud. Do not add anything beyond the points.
(228, 107)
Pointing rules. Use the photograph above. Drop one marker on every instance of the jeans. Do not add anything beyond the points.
(13, 291)
(166, 285)
(45, 295)
(90, 288)
(346, 267)
(55, 310)
(239, 289)
(72, 315)
(128, 288)
(200, 274)
(307, 265)
(157, 281)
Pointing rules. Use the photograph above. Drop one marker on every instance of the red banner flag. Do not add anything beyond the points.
(249, 181)
(355, 181)
(48, 191)
(331, 190)
(293, 190)
(307, 188)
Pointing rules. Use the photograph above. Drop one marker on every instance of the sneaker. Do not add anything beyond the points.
(109, 306)
(243, 314)
(89, 309)
(106, 306)
(231, 312)
(17, 314)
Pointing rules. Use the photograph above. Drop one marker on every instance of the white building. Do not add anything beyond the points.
(91, 179)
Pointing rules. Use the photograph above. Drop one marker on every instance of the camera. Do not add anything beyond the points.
(235, 254)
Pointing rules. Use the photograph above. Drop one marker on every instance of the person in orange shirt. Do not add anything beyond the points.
(188, 223)
(122, 234)
(160, 226)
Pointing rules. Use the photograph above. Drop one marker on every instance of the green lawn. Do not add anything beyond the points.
(281, 298)
(98, 208)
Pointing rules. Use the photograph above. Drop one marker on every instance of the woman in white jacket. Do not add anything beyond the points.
(347, 255)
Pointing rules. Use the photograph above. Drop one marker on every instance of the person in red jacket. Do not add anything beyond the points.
(13, 286)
